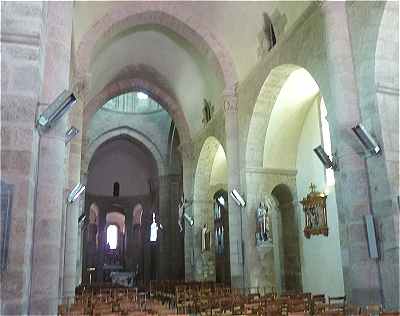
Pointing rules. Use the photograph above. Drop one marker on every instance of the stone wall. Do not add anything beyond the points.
(23, 35)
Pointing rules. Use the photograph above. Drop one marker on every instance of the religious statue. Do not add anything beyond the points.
(263, 224)
(181, 211)
(137, 215)
(92, 227)
(219, 240)
(208, 110)
(154, 229)
(266, 37)
(92, 233)
(205, 238)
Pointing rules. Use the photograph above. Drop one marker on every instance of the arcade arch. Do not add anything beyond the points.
(285, 127)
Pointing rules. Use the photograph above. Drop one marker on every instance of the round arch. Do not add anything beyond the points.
(125, 131)
(178, 19)
(203, 204)
(160, 95)
(204, 168)
(262, 112)
(294, 89)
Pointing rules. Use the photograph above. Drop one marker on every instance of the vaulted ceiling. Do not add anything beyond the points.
(189, 75)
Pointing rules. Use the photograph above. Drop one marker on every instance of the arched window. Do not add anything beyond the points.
(112, 236)
(326, 141)
(116, 189)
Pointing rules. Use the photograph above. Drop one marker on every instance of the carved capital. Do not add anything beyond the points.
(230, 104)
(230, 99)
(331, 6)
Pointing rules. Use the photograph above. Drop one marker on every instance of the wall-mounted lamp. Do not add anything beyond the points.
(56, 110)
(71, 133)
(366, 139)
(237, 198)
(76, 191)
(324, 158)
(188, 219)
(81, 218)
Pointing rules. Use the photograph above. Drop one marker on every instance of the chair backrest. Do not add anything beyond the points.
(320, 298)
(337, 300)
(373, 309)
(352, 310)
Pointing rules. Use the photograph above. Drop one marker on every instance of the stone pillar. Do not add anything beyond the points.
(188, 176)
(236, 223)
(165, 248)
(22, 38)
(50, 197)
(204, 263)
(70, 255)
(361, 273)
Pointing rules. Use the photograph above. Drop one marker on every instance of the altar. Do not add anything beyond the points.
(122, 278)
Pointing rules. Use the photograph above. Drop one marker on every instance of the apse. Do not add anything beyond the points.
(124, 161)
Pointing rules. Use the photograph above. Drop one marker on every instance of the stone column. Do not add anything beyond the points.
(22, 40)
(204, 261)
(188, 176)
(361, 273)
(50, 197)
(236, 223)
(165, 247)
(72, 211)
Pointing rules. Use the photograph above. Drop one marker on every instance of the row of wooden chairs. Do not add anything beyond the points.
(105, 301)
(209, 298)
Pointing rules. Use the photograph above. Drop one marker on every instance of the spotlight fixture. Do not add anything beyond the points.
(238, 198)
(142, 96)
(366, 139)
(324, 158)
(76, 191)
(188, 219)
(71, 133)
(56, 110)
(221, 200)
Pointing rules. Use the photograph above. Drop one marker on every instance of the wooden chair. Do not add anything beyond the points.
(336, 303)
(77, 309)
(318, 298)
(373, 309)
(337, 300)
(352, 310)
(62, 309)
(298, 305)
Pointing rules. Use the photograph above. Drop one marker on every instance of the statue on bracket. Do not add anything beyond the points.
(314, 207)
(264, 232)
(208, 111)
(154, 227)
(266, 37)
(183, 203)
(137, 215)
(205, 239)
